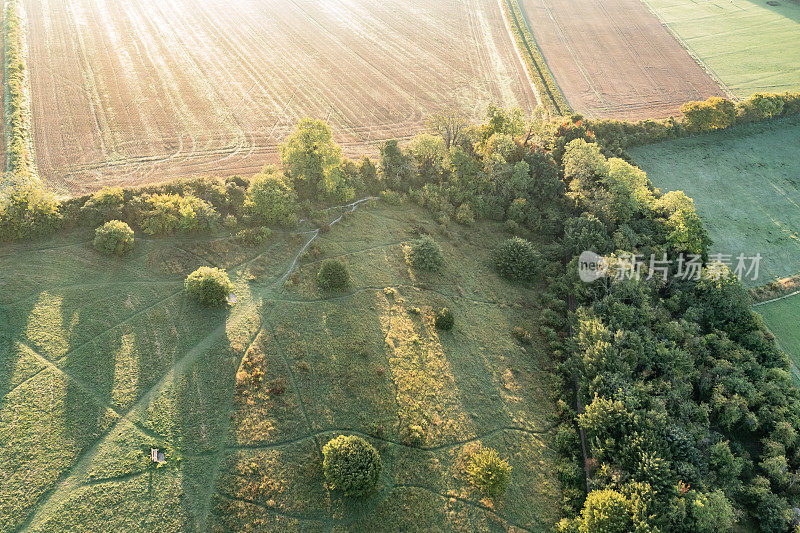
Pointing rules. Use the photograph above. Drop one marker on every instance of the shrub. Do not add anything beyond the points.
(196, 215)
(607, 511)
(760, 106)
(426, 254)
(444, 319)
(516, 259)
(113, 237)
(351, 465)
(209, 286)
(712, 114)
(104, 205)
(27, 213)
(332, 276)
(464, 215)
(162, 214)
(488, 473)
(254, 236)
(272, 201)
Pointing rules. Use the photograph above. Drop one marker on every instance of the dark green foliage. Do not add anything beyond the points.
(209, 286)
(488, 473)
(163, 214)
(426, 254)
(517, 260)
(28, 212)
(333, 276)
(395, 168)
(310, 158)
(351, 465)
(114, 238)
(272, 201)
(709, 115)
(444, 319)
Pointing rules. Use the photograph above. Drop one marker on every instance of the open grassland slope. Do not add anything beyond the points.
(143, 91)
(750, 45)
(745, 182)
(100, 359)
(614, 59)
(782, 317)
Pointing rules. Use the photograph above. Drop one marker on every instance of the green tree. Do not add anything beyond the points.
(426, 254)
(309, 156)
(517, 260)
(271, 200)
(113, 237)
(351, 465)
(333, 276)
(606, 511)
(713, 114)
(209, 286)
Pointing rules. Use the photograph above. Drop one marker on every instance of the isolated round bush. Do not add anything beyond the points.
(333, 276)
(516, 259)
(444, 319)
(351, 465)
(488, 473)
(114, 237)
(209, 286)
(426, 254)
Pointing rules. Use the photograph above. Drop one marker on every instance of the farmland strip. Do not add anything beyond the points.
(546, 86)
(20, 160)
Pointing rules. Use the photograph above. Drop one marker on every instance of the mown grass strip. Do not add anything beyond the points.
(20, 160)
(549, 92)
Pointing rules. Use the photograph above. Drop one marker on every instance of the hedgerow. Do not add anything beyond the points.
(21, 162)
(552, 98)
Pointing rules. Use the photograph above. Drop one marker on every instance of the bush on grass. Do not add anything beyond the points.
(209, 286)
(114, 238)
(351, 465)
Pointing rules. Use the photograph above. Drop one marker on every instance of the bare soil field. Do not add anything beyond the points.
(614, 59)
(143, 90)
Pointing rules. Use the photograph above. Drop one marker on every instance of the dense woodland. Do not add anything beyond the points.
(677, 410)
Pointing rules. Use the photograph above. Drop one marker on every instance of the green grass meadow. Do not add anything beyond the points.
(751, 46)
(745, 183)
(782, 318)
(102, 358)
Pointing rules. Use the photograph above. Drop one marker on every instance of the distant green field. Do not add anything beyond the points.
(100, 359)
(751, 46)
(746, 186)
(782, 318)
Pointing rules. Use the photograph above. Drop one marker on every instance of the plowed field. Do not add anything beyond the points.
(140, 91)
(615, 59)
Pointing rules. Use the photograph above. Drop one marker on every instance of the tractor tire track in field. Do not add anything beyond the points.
(214, 87)
(653, 74)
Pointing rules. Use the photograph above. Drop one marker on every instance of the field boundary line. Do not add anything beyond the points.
(778, 299)
(555, 103)
(20, 158)
(708, 70)
(521, 59)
